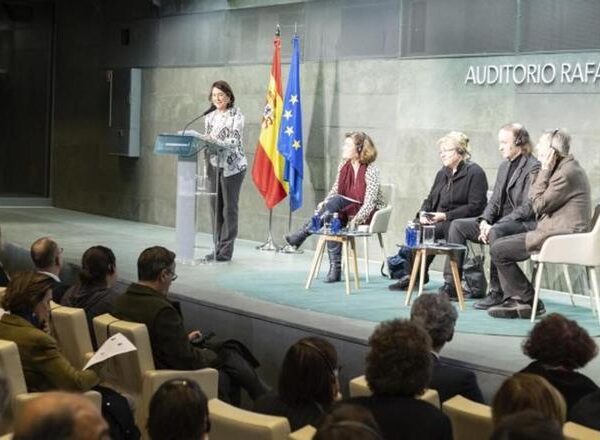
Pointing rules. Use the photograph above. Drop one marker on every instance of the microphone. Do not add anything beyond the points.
(210, 109)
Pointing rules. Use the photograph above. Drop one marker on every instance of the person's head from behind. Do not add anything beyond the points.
(46, 255)
(399, 359)
(454, 148)
(28, 295)
(358, 146)
(527, 425)
(556, 341)
(513, 140)
(59, 415)
(348, 422)
(156, 268)
(437, 316)
(178, 411)
(528, 391)
(98, 267)
(309, 373)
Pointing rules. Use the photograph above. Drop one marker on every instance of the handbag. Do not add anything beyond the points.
(399, 265)
(474, 282)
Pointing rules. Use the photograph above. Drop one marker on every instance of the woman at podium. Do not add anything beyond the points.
(355, 196)
(224, 124)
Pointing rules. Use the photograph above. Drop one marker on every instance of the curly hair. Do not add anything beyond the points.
(560, 342)
(437, 316)
(399, 360)
(457, 140)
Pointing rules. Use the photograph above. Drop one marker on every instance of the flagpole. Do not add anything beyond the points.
(269, 245)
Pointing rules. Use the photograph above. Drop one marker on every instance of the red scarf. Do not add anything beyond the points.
(353, 187)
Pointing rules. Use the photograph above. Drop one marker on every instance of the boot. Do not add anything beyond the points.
(335, 262)
(297, 238)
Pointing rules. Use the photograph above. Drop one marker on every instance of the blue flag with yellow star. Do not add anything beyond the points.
(290, 131)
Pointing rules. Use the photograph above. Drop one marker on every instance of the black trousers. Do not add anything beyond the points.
(235, 373)
(506, 252)
(227, 209)
(441, 233)
(464, 229)
(335, 204)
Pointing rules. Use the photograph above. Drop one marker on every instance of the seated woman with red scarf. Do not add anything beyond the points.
(355, 196)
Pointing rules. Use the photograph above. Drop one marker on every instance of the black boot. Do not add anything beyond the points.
(335, 262)
(297, 238)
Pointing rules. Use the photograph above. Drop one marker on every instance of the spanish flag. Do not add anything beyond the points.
(268, 165)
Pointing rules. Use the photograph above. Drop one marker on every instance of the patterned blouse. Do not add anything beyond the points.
(227, 128)
(373, 195)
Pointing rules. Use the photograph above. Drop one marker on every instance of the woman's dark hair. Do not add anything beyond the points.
(560, 342)
(225, 88)
(25, 291)
(348, 422)
(96, 263)
(309, 372)
(399, 360)
(178, 411)
(527, 425)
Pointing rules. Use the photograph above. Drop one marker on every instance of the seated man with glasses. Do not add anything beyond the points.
(172, 348)
(47, 259)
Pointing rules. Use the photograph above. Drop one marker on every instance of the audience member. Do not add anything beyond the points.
(459, 190)
(47, 259)
(560, 199)
(558, 347)
(528, 391)
(4, 402)
(527, 425)
(507, 211)
(348, 422)
(60, 416)
(587, 411)
(308, 384)
(178, 411)
(146, 302)
(438, 317)
(94, 291)
(45, 368)
(398, 368)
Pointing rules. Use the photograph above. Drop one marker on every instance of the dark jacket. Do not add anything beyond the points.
(58, 290)
(561, 201)
(459, 195)
(586, 412)
(450, 381)
(94, 300)
(572, 385)
(517, 192)
(309, 413)
(171, 348)
(406, 418)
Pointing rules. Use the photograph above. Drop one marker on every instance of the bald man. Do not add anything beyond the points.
(47, 259)
(59, 415)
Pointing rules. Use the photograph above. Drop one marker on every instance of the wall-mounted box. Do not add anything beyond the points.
(124, 112)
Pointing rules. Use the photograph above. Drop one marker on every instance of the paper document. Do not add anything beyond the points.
(350, 199)
(115, 345)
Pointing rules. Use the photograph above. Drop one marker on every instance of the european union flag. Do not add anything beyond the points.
(290, 133)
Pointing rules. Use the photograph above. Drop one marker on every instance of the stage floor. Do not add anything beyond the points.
(270, 286)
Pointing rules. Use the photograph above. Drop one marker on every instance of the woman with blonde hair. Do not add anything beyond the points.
(528, 391)
(459, 190)
(355, 196)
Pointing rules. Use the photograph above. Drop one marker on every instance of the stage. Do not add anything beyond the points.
(259, 297)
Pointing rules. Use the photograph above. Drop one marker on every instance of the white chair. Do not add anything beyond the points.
(574, 431)
(470, 420)
(582, 249)
(359, 388)
(70, 328)
(305, 433)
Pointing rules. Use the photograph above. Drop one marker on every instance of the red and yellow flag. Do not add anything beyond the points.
(268, 165)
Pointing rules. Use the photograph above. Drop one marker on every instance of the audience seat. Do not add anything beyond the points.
(470, 420)
(359, 387)
(134, 373)
(574, 431)
(229, 422)
(69, 327)
(305, 433)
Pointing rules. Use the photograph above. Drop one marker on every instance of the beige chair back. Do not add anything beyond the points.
(305, 433)
(72, 333)
(2, 292)
(359, 387)
(470, 420)
(229, 422)
(574, 431)
(10, 364)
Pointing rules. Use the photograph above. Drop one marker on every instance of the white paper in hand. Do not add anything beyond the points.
(115, 345)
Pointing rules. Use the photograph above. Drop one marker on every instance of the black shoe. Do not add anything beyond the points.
(448, 291)
(223, 258)
(402, 283)
(209, 257)
(511, 309)
(297, 238)
(335, 273)
(492, 299)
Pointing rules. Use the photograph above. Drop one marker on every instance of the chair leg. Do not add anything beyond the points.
(413, 277)
(538, 282)
(366, 253)
(568, 281)
(383, 252)
(589, 290)
(594, 284)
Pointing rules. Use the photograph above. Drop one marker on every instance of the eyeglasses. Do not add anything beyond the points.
(447, 150)
(173, 274)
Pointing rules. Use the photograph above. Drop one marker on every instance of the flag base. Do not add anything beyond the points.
(287, 249)
(268, 245)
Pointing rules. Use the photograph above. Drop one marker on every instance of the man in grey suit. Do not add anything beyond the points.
(560, 199)
(506, 213)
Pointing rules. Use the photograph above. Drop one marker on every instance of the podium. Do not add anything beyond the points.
(186, 148)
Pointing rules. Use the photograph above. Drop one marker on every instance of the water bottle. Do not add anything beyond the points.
(336, 224)
(315, 222)
(412, 235)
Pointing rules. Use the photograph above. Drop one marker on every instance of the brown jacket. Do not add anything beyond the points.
(561, 201)
(44, 366)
